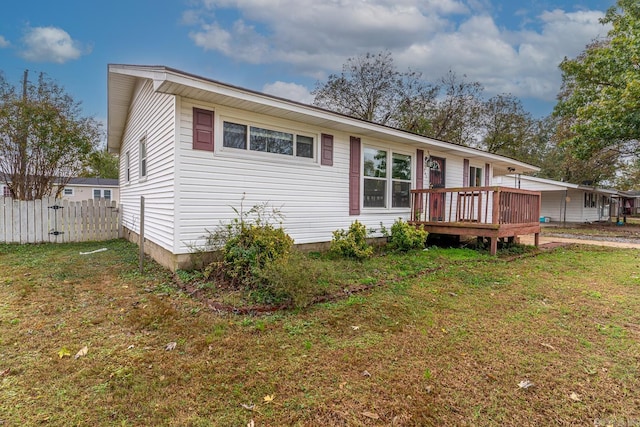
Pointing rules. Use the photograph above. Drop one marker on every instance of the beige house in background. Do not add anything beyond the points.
(79, 189)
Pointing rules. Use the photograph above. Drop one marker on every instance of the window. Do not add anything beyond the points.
(254, 138)
(379, 181)
(143, 157)
(401, 181)
(6, 192)
(101, 193)
(67, 192)
(127, 167)
(590, 200)
(475, 177)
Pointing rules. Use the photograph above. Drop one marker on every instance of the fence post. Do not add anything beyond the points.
(141, 244)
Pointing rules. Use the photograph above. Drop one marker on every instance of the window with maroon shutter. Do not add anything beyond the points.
(326, 150)
(354, 176)
(202, 129)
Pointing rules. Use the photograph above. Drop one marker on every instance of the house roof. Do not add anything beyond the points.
(122, 81)
(551, 185)
(94, 182)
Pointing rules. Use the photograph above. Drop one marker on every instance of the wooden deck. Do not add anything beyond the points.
(491, 212)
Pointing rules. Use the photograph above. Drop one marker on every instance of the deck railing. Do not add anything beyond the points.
(477, 205)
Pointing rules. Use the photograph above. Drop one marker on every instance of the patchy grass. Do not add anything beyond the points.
(444, 339)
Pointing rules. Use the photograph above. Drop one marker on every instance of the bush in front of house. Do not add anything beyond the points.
(248, 244)
(351, 243)
(403, 237)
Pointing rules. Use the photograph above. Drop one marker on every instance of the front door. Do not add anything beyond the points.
(436, 180)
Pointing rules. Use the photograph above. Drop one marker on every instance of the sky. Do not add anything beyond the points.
(286, 47)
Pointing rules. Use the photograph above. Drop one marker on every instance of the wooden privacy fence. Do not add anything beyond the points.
(57, 221)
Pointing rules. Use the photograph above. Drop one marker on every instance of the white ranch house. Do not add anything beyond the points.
(194, 146)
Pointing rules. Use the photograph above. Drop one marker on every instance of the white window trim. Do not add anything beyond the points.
(263, 155)
(141, 159)
(472, 175)
(101, 190)
(65, 189)
(127, 167)
(389, 179)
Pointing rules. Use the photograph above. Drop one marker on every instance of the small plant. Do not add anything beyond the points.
(298, 280)
(351, 243)
(404, 237)
(248, 244)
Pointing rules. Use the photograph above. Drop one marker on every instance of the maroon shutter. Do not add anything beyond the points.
(202, 129)
(326, 150)
(419, 169)
(354, 176)
(465, 173)
(487, 174)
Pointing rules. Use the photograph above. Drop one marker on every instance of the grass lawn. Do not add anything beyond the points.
(445, 339)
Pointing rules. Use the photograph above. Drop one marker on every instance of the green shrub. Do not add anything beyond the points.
(405, 237)
(251, 250)
(247, 244)
(297, 280)
(351, 243)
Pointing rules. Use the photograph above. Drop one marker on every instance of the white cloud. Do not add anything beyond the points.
(292, 91)
(432, 36)
(4, 42)
(50, 44)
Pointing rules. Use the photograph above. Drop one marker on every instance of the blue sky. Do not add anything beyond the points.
(284, 47)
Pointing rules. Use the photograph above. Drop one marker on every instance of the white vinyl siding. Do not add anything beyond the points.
(151, 116)
(314, 199)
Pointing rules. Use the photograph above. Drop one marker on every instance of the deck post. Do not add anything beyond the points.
(493, 245)
(536, 239)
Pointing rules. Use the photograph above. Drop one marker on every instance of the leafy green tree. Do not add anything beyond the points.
(509, 129)
(456, 116)
(371, 88)
(561, 162)
(44, 139)
(601, 87)
(100, 164)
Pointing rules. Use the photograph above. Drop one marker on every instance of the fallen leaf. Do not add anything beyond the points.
(525, 384)
(82, 352)
(269, 398)
(171, 346)
(342, 384)
(5, 372)
(355, 328)
(366, 374)
(64, 352)
(575, 397)
(549, 346)
(130, 347)
(371, 415)
(251, 424)
(248, 407)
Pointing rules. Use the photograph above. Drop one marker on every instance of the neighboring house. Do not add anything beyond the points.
(78, 189)
(566, 202)
(194, 147)
(630, 202)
